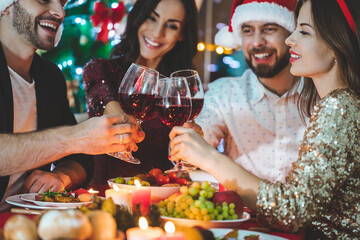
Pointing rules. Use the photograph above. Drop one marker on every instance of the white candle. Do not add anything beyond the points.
(120, 196)
(171, 234)
(143, 232)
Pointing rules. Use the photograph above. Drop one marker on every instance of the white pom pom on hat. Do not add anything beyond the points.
(4, 4)
(274, 11)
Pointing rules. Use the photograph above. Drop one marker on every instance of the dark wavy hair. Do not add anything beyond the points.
(180, 57)
(331, 25)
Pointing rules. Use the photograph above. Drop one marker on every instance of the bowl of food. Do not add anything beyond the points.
(161, 185)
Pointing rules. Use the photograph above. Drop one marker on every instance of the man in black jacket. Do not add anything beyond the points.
(36, 124)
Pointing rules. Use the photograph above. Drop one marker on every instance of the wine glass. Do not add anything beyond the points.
(137, 93)
(197, 97)
(173, 105)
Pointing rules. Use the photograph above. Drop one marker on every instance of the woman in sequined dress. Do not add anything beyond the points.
(160, 34)
(322, 191)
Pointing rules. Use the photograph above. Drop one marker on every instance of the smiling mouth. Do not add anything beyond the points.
(295, 56)
(151, 42)
(262, 56)
(49, 26)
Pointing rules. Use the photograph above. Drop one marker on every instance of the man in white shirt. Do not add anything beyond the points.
(36, 124)
(262, 130)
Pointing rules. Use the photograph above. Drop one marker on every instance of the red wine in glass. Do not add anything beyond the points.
(174, 115)
(139, 105)
(196, 107)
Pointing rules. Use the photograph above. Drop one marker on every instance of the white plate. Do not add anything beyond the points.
(30, 197)
(207, 224)
(16, 201)
(242, 233)
(157, 193)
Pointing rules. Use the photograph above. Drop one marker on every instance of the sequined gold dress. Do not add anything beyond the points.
(322, 191)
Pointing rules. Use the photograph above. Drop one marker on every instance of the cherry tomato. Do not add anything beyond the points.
(182, 181)
(155, 171)
(172, 176)
(162, 179)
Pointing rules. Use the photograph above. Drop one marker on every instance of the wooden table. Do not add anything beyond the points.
(248, 225)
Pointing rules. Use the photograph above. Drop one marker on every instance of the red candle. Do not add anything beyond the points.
(171, 234)
(141, 197)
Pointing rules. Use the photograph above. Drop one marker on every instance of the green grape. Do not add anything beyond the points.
(198, 217)
(203, 211)
(224, 204)
(189, 201)
(203, 193)
(187, 212)
(178, 209)
(225, 214)
(219, 217)
(209, 195)
(196, 185)
(232, 205)
(197, 203)
(206, 217)
(193, 191)
(195, 211)
(202, 199)
(119, 180)
(225, 208)
(182, 215)
(231, 211)
(184, 205)
(212, 216)
(219, 208)
(235, 216)
(212, 189)
(216, 212)
(205, 185)
(162, 211)
(184, 189)
(161, 204)
(210, 208)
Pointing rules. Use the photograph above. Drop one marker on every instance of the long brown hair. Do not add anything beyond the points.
(332, 26)
(180, 57)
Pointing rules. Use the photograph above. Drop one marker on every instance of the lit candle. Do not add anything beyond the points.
(93, 192)
(144, 232)
(141, 197)
(171, 234)
(119, 196)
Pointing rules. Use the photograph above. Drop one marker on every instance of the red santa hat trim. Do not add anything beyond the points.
(274, 11)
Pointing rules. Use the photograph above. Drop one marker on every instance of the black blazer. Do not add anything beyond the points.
(52, 106)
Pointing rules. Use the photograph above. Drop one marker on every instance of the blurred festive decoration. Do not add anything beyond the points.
(91, 29)
(107, 17)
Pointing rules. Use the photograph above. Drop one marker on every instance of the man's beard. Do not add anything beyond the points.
(265, 70)
(26, 26)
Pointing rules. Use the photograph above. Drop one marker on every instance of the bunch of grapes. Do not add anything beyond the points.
(194, 202)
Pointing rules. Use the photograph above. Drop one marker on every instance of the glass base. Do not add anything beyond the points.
(125, 156)
(181, 167)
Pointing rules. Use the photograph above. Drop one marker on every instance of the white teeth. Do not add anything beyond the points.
(295, 56)
(44, 24)
(262, 55)
(154, 44)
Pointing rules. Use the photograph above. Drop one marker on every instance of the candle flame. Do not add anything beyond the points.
(137, 183)
(169, 227)
(143, 224)
(116, 188)
(93, 191)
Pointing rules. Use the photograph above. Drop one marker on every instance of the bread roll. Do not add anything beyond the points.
(64, 224)
(104, 225)
(19, 227)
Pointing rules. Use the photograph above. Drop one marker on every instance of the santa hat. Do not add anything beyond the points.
(4, 4)
(274, 11)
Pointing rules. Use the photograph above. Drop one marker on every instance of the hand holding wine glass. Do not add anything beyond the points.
(137, 98)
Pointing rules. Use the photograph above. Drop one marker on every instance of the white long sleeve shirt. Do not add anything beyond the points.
(262, 132)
